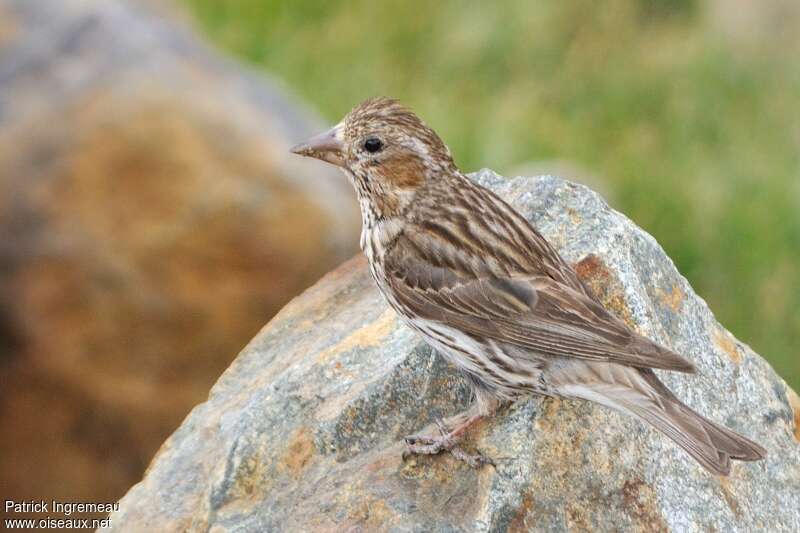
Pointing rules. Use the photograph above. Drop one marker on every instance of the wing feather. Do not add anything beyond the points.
(441, 281)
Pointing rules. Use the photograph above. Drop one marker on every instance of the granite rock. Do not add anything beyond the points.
(303, 431)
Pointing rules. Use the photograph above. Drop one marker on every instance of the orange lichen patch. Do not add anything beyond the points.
(520, 522)
(604, 285)
(249, 479)
(640, 500)
(578, 516)
(730, 497)
(387, 461)
(672, 299)
(299, 452)
(556, 446)
(725, 342)
(370, 334)
(372, 513)
(591, 268)
(794, 402)
(574, 217)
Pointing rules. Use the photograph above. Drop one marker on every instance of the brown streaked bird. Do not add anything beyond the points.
(483, 287)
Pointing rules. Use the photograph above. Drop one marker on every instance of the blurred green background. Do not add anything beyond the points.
(687, 113)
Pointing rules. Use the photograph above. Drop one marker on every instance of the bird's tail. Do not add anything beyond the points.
(711, 444)
(645, 397)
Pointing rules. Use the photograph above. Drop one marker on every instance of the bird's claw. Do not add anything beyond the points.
(475, 460)
(419, 440)
(445, 442)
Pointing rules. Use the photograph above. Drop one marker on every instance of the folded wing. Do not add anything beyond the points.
(530, 310)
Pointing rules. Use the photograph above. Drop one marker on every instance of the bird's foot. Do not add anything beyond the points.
(446, 441)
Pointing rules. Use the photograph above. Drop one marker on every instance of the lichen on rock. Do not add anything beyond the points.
(303, 432)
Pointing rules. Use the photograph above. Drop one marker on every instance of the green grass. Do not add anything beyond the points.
(695, 132)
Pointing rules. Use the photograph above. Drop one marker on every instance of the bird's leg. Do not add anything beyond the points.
(451, 432)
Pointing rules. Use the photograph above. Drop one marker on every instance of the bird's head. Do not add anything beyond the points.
(387, 152)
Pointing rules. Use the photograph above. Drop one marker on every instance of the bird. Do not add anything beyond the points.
(483, 287)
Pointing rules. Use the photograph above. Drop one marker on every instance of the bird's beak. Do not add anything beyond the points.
(327, 146)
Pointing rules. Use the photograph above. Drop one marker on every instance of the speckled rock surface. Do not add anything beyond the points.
(303, 432)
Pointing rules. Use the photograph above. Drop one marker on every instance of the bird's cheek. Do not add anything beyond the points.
(405, 173)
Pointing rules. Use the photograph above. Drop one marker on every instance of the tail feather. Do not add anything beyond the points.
(711, 444)
(640, 393)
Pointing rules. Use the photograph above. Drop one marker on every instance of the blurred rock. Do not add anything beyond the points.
(303, 431)
(151, 220)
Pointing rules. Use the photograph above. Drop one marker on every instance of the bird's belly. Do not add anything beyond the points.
(507, 373)
(486, 363)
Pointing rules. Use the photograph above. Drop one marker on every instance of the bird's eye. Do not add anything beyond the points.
(372, 145)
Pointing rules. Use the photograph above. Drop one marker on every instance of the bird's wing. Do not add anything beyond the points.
(461, 288)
